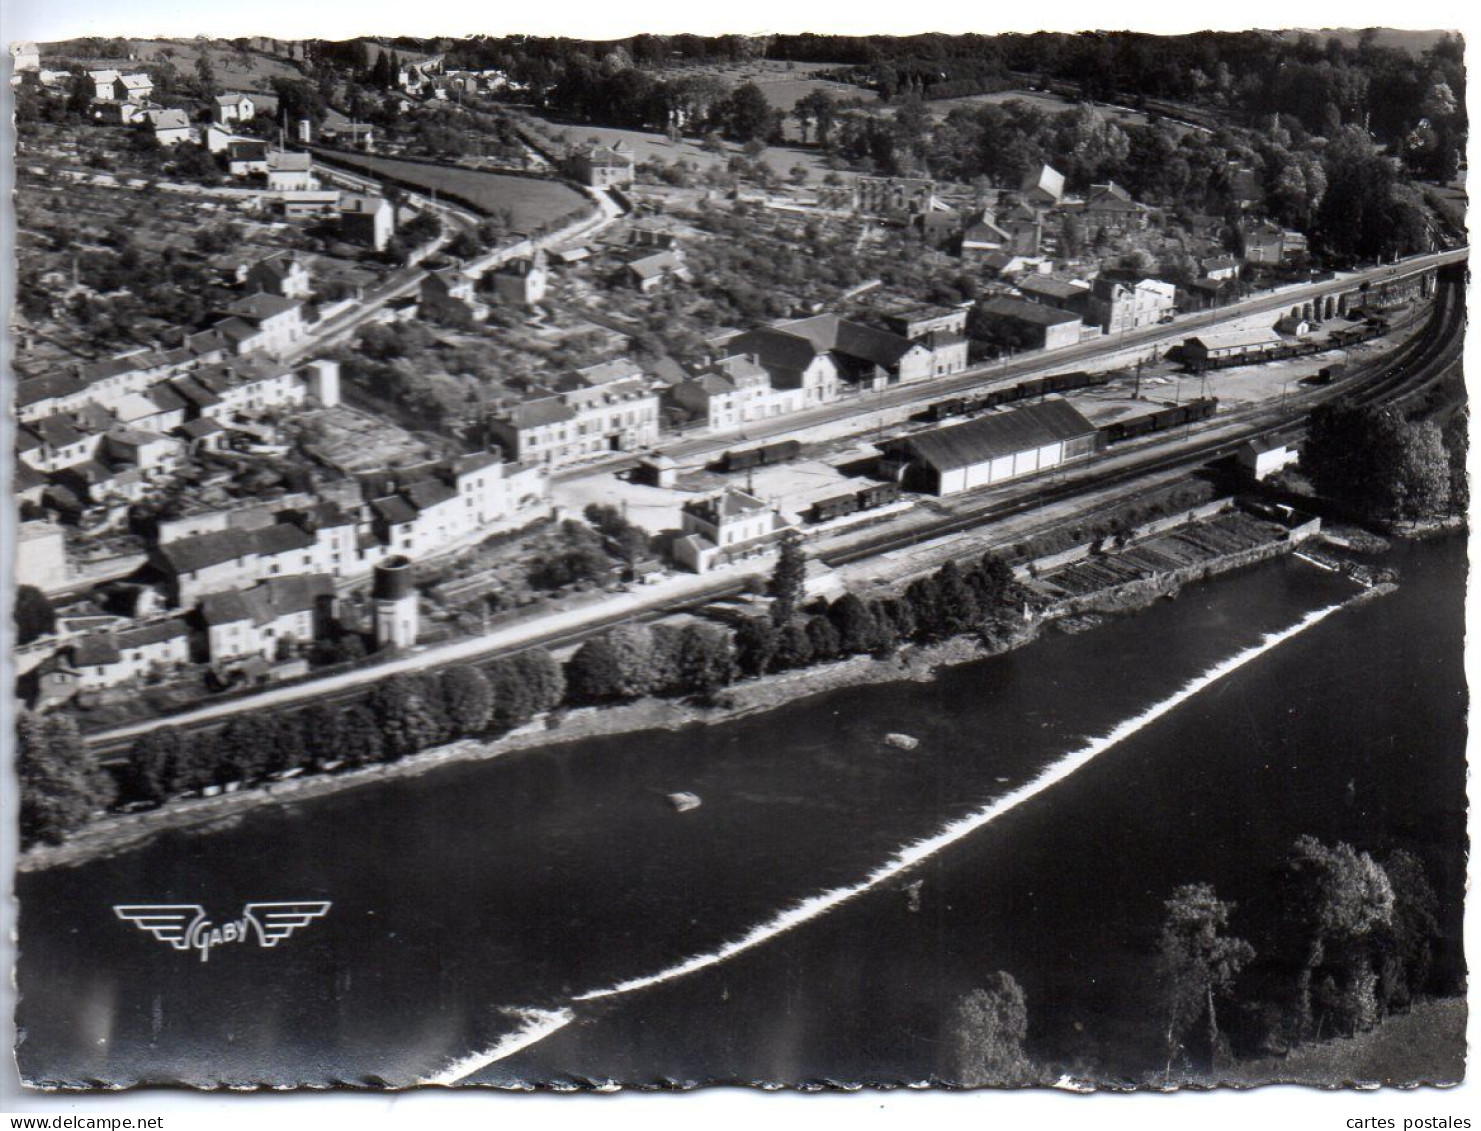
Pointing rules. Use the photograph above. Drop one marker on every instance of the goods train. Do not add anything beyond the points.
(1037, 387)
(779, 452)
(875, 495)
(1254, 355)
(1159, 421)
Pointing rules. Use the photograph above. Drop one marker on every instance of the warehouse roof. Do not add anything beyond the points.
(1001, 434)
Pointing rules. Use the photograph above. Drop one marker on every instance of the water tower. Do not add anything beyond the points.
(393, 598)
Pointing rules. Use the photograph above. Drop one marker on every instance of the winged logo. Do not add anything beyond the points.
(184, 926)
(168, 922)
(276, 921)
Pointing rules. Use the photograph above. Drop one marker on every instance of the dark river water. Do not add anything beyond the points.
(469, 893)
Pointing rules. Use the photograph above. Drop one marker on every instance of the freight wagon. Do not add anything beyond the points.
(1160, 421)
(779, 452)
(1338, 339)
(1024, 390)
(875, 495)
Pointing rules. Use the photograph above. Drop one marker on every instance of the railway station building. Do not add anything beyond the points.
(991, 449)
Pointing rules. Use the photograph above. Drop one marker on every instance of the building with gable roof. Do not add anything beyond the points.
(273, 614)
(283, 273)
(1116, 306)
(600, 166)
(820, 354)
(1043, 188)
(725, 528)
(233, 108)
(990, 449)
(1109, 207)
(288, 171)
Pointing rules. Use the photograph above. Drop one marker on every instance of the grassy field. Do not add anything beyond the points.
(249, 71)
(530, 201)
(655, 147)
(1425, 1046)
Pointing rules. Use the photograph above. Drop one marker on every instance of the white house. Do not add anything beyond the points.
(233, 108)
(725, 528)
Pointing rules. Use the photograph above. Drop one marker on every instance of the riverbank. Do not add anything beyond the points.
(1081, 612)
(121, 831)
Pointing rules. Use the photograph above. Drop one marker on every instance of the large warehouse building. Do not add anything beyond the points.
(990, 449)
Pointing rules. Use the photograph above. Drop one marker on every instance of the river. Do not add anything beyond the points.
(531, 883)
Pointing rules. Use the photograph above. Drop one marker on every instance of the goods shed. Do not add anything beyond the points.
(990, 449)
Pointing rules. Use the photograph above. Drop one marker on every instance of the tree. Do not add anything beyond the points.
(240, 751)
(788, 578)
(59, 785)
(287, 745)
(857, 630)
(205, 75)
(323, 729)
(619, 664)
(631, 542)
(156, 766)
(822, 639)
(409, 711)
(925, 606)
(755, 645)
(361, 742)
(988, 1030)
(1196, 962)
(524, 685)
(706, 660)
(794, 647)
(1407, 942)
(1373, 459)
(467, 698)
(956, 605)
(1336, 900)
(34, 614)
(747, 115)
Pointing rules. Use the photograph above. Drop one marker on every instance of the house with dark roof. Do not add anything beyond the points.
(990, 449)
(101, 660)
(263, 620)
(522, 282)
(1032, 325)
(1062, 294)
(822, 353)
(1116, 305)
(983, 236)
(283, 273)
(221, 560)
(47, 394)
(602, 166)
(1110, 208)
(265, 323)
(59, 440)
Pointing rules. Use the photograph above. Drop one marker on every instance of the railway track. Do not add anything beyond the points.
(1404, 373)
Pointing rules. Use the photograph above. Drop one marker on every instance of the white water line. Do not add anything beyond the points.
(908, 857)
(538, 1024)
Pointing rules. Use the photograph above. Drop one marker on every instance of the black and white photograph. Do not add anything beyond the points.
(821, 559)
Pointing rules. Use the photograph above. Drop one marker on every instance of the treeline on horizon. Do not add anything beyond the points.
(1249, 74)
